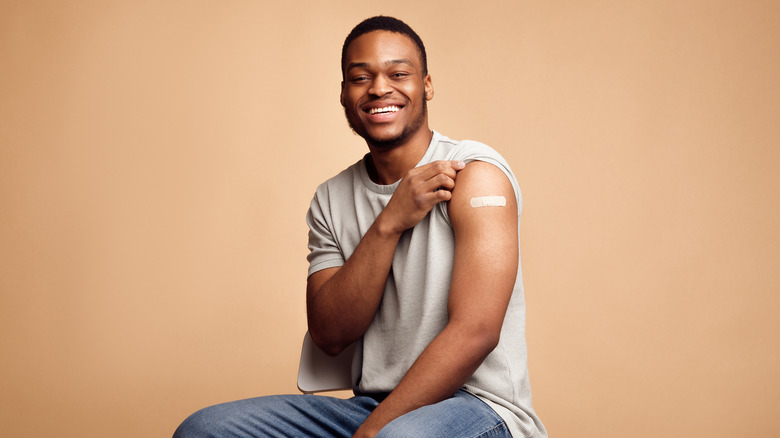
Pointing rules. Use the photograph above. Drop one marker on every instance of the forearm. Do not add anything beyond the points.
(440, 371)
(341, 309)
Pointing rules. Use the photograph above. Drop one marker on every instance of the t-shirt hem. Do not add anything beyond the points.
(516, 427)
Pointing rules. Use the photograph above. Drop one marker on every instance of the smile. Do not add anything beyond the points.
(384, 110)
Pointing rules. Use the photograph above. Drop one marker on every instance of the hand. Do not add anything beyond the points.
(363, 432)
(419, 190)
(373, 424)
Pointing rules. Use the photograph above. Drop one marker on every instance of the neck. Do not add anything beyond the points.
(390, 165)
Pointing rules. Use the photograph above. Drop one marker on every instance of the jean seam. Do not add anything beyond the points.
(493, 430)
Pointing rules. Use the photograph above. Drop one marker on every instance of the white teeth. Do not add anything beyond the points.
(387, 109)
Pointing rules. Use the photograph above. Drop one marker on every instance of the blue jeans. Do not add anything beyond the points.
(462, 415)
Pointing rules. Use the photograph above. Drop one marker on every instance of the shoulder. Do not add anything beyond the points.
(487, 161)
(465, 150)
(470, 151)
(482, 188)
(483, 211)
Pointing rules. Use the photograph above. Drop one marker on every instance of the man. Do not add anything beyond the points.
(414, 256)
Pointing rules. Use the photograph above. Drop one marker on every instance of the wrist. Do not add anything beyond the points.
(386, 229)
(369, 428)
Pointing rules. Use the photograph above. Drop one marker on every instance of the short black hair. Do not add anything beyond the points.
(390, 24)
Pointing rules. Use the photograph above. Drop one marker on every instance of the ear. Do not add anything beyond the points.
(428, 83)
(341, 96)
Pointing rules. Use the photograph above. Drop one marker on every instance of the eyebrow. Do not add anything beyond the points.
(352, 65)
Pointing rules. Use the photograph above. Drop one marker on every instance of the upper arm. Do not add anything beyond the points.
(486, 248)
(317, 279)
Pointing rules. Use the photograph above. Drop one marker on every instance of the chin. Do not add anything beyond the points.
(385, 141)
(388, 140)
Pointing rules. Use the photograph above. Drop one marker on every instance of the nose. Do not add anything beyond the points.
(380, 86)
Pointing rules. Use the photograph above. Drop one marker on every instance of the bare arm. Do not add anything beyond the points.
(484, 273)
(341, 302)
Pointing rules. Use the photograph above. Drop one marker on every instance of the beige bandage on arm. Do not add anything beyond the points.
(488, 201)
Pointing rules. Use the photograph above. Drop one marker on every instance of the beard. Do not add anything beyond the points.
(389, 143)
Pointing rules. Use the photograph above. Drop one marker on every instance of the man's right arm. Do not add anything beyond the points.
(341, 301)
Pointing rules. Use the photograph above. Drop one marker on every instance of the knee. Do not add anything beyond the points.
(398, 429)
(231, 419)
(201, 424)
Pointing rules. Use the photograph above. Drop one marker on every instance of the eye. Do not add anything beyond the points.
(360, 78)
(399, 75)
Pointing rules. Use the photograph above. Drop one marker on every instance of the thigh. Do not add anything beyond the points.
(279, 416)
(461, 416)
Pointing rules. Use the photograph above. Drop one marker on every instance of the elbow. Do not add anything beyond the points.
(487, 340)
(327, 337)
(332, 350)
(328, 345)
(481, 339)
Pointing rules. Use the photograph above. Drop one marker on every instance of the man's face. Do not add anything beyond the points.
(385, 90)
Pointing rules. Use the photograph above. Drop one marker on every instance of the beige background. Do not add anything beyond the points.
(157, 159)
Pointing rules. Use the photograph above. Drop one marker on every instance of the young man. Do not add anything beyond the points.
(414, 256)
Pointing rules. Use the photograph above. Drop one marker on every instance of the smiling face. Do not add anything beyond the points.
(385, 89)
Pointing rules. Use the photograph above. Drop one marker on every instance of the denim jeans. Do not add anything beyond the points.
(462, 415)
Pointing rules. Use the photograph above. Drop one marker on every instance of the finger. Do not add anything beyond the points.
(439, 181)
(442, 166)
(440, 196)
(449, 168)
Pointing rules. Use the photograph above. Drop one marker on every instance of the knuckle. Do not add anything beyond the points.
(443, 195)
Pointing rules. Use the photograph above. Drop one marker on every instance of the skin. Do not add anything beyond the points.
(383, 68)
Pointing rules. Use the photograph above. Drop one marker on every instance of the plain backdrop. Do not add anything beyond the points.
(157, 159)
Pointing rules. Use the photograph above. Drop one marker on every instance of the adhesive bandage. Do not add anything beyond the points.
(488, 201)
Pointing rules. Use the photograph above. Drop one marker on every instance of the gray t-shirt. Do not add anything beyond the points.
(414, 306)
